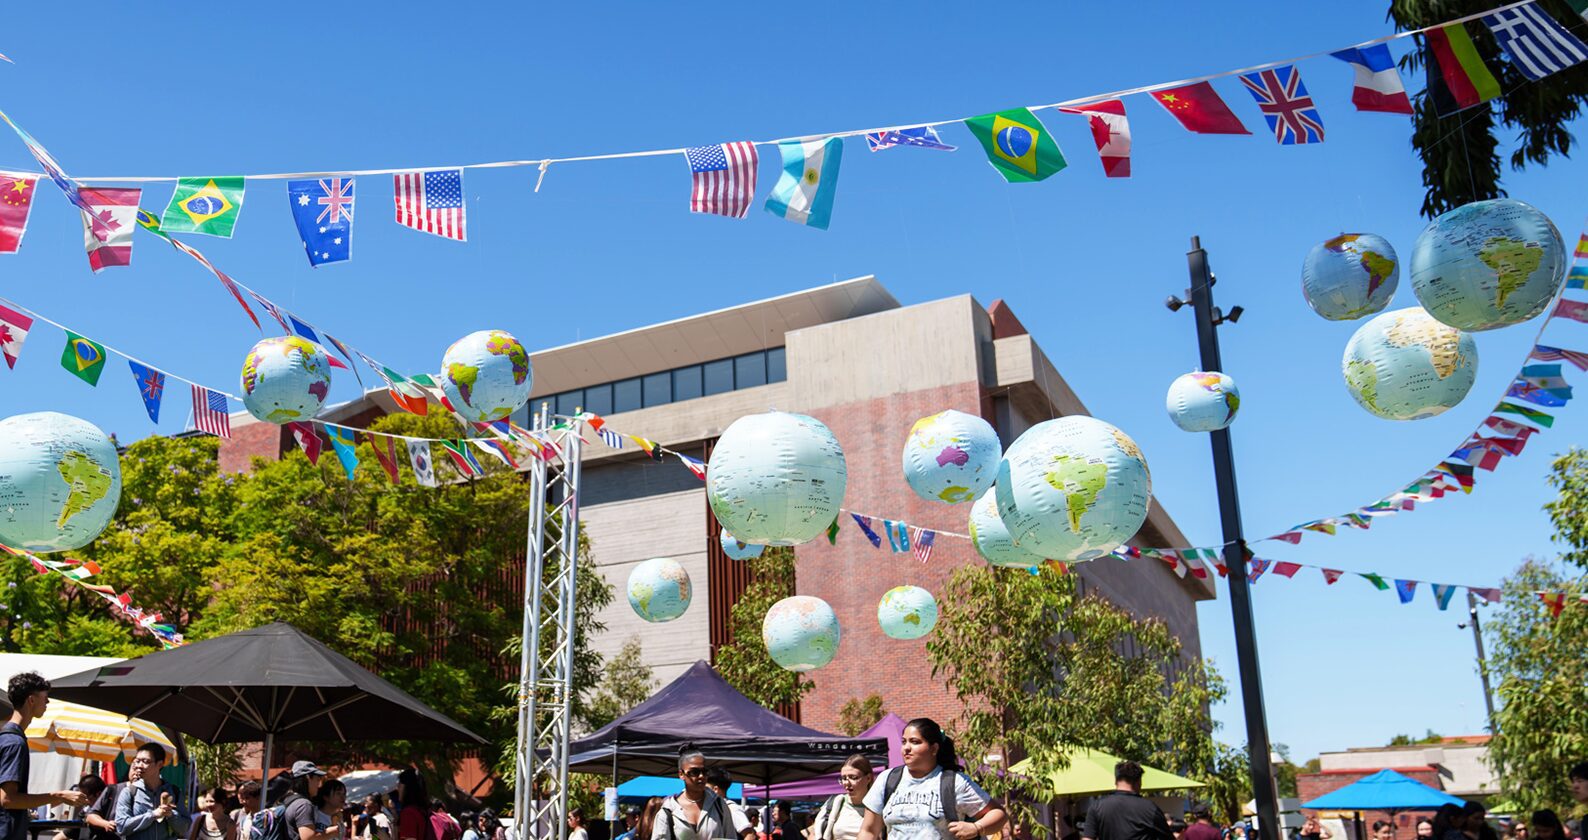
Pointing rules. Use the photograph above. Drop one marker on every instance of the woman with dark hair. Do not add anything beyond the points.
(648, 818)
(416, 821)
(210, 819)
(928, 798)
(1382, 830)
(1425, 828)
(1546, 826)
(1448, 823)
(1475, 823)
(329, 800)
(840, 817)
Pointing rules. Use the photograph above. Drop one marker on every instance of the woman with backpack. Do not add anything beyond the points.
(840, 818)
(928, 798)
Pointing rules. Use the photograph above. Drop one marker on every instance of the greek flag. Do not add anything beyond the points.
(1534, 42)
(611, 438)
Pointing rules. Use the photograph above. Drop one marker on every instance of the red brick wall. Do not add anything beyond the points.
(1309, 786)
(248, 440)
(852, 576)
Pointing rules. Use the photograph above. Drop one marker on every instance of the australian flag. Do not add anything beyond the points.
(323, 209)
(924, 137)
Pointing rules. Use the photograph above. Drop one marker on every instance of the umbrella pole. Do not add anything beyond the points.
(264, 772)
(617, 812)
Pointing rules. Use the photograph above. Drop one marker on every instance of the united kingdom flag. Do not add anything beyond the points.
(1286, 105)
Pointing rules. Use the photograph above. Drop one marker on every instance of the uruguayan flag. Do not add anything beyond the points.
(804, 192)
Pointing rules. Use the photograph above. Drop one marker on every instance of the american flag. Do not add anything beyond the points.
(1284, 101)
(923, 543)
(611, 438)
(722, 178)
(432, 202)
(210, 413)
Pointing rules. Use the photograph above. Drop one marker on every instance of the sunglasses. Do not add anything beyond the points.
(695, 772)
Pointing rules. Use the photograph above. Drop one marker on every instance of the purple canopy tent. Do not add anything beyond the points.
(891, 727)
(701, 710)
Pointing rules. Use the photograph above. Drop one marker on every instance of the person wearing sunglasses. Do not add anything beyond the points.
(697, 813)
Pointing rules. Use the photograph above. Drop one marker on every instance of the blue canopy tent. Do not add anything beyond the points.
(1385, 790)
(645, 787)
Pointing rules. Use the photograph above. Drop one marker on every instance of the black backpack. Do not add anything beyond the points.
(271, 823)
(947, 779)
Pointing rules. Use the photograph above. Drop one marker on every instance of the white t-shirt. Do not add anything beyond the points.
(708, 829)
(839, 819)
(916, 810)
(578, 834)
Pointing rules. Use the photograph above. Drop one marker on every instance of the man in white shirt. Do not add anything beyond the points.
(718, 780)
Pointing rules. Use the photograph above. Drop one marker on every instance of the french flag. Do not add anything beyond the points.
(1378, 83)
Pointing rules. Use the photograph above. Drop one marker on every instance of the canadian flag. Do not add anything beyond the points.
(1111, 132)
(109, 243)
(14, 328)
(1331, 575)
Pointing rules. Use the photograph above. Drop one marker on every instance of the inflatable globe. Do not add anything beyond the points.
(1203, 401)
(1488, 264)
(1073, 489)
(991, 537)
(285, 379)
(801, 633)
(60, 482)
(951, 457)
(659, 590)
(738, 550)
(907, 612)
(486, 376)
(1404, 365)
(1350, 276)
(776, 479)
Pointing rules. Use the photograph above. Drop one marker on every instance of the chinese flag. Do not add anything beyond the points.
(16, 200)
(1199, 108)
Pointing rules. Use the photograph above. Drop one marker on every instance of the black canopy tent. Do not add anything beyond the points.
(701, 710)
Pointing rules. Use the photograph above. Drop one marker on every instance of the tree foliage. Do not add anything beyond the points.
(1460, 152)
(857, 715)
(1569, 511)
(744, 662)
(626, 682)
(1041, 671)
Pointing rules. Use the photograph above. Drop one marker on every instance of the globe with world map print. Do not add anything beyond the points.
(1404, 365)
(1073, 489)
(285, 379)
(907, 612)
(801, 633)
(659, 589)
(486, 375)
(1488, 264)
(736, 550)
(951, 457)
(1203, 401)
(1350, 276)
(60, 482)
(990, 536)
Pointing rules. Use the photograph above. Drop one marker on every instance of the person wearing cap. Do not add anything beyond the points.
(147, 807)
(631, 822)
(300, 814)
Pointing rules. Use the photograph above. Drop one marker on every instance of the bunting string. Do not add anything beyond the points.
(79, 571)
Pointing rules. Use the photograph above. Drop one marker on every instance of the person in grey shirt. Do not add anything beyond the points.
(147, 807)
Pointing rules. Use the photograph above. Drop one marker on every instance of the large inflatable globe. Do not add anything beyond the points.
(801, 633)
(907, 612)
(659, 589)
(1349, 276)
(285, 379)
(951, 457)
(60, 482)
(737, 550)
(1404, 365)
(1488, 264)
(1073, 489)
(486, 376)
(991, 537)
(776, 478)
(1203, 401)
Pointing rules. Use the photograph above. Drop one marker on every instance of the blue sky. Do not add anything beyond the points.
(185, 89)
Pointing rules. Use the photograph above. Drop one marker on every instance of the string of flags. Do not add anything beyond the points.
(723, 176)
(79, 572)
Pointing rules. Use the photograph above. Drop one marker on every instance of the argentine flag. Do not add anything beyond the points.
(804, 192)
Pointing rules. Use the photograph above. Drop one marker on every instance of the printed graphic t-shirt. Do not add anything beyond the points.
(916, 810)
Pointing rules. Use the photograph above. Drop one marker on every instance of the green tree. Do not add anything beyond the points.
(744, 662)
(1041, 671)
(626, 683)
(857, 715)
(1459, 152)
(1285, 772)
(1403, 740)
(1229, 783)
(1569, 511)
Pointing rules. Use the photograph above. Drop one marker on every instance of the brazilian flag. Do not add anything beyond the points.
(83, 358)
(1018, 144)
(204, 205)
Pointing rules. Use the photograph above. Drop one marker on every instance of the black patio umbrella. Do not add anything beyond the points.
(258, 685)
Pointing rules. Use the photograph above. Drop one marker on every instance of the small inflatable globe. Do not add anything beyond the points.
(776, 478)
(991, 537)
(1488, 264)
(1350, 276)
(951, 457)
(801, 633)
(737, 550)
(1073, 489)
(659, 589)
(285, 379)
(486, 376)
(1404, 365)
(907, 612)
(1203, 401)
(60, 482)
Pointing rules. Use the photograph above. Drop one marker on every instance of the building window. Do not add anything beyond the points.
(598, 399)
(686, 383)
(669, 386)
(626, 396)
(776, 365)
(569, 402)
(719, 376)
(658, 388)
(749, 370)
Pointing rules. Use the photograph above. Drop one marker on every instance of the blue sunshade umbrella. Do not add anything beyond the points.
(1385, 790)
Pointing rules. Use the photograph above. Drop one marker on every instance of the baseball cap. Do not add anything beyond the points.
(305, 768)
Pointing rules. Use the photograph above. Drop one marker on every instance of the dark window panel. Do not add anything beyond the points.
(658, 388)
(686, 383)
(568, 402)
(776, 365)
(626, 395)
(598, 399)
(749, 370)
(719, 376)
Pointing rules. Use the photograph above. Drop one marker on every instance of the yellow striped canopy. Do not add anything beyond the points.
(86, 732)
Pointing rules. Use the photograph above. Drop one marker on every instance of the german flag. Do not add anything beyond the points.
(1457, 77)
